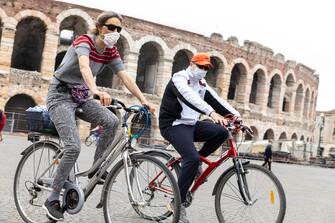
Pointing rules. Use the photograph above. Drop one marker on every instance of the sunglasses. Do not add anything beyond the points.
(203, 67)
(112, 27)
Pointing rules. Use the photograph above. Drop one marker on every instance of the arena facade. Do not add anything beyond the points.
(276, 97)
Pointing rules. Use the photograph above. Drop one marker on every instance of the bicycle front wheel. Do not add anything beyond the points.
(262, 200)
(154, 188)
(37, 162)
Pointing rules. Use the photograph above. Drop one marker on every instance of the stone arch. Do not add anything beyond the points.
(306, 102)
(215, 74)
(275, 86)
(283, 135)
(299, 96)
(59, 59)
(238, 80)
(28, 49)
(181, 60)
(294, 136)
(74, 12)
(149, 60)
(3, 14)
(33, 13)
(311, 106)
(164, 50)
(184, 46)
(289, 90)
(16, 106)
(302, 138)
(70, 28)
(258, 86)
(255, 134)
(269, 134)
(290, 78)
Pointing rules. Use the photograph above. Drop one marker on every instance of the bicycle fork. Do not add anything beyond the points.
(127, 162)
(242, 182)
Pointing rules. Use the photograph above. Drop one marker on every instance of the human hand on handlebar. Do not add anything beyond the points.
(152, 107)
(104, 97)
(217, 118)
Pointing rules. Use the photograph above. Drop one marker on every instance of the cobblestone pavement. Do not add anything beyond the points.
(310, 191)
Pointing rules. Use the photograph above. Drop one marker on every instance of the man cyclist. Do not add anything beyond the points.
(186, 96)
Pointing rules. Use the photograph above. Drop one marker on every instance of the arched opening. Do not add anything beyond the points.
(306, 103)
(147, 67)
(283, 135)
(274, 92)
(298, 99)
(237, 83)
(213, 74)
(15, 109)
(107, 78)
(286, 104)
(290, 81)
(59, 59)
(1, 27)
(71, 28)
(257, 87)
(28, 49)
(181, 60)
(311, 106)
(269, 134)
(294, 136)
(302, 138)
(255, 134)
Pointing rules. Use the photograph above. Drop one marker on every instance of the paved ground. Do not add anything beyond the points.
(310, 191)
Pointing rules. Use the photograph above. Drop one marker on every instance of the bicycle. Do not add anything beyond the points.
(243, 189)
(134, 178)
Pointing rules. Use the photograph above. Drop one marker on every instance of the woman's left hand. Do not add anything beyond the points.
(152, 107)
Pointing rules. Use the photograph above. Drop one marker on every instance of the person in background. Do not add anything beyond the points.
(268, 155)
(2, 122)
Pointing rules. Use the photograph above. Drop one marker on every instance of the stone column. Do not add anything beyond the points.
(265, 100)
(49, 53)
(163, 75)
(130, 64)
(7, 45)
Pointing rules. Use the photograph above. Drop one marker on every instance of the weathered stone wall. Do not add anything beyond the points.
(252, 56)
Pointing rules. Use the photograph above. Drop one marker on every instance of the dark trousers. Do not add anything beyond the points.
(182, 137)
(267, 161)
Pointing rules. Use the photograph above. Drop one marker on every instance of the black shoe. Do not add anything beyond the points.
(54, 210)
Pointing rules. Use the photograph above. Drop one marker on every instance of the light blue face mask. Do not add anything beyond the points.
(199, 73)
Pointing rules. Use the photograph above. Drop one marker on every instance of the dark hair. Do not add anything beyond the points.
(1, 114)
(102, 18)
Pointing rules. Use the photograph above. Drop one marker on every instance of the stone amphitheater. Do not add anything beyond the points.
(276, 97)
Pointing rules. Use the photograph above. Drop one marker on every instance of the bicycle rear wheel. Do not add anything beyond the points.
(267, 197)
(28, 197)
(161, 198)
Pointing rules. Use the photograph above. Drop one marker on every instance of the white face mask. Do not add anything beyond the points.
(198, 73)
(111, 38)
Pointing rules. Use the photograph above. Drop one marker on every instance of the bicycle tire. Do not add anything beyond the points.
(39, 212)
(112, 179)
(276, 196)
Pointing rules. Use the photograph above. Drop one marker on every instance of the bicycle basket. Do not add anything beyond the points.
(39, 121)
(140, 127)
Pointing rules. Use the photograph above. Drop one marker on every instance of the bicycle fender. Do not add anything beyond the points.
(223, 175)
(44, 142)
(152, 151)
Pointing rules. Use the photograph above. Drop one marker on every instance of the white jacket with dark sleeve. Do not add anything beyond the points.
(185, 98)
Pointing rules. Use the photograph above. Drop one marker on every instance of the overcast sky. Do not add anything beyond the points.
(300, 30)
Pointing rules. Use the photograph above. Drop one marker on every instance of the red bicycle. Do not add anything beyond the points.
(245, 192)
